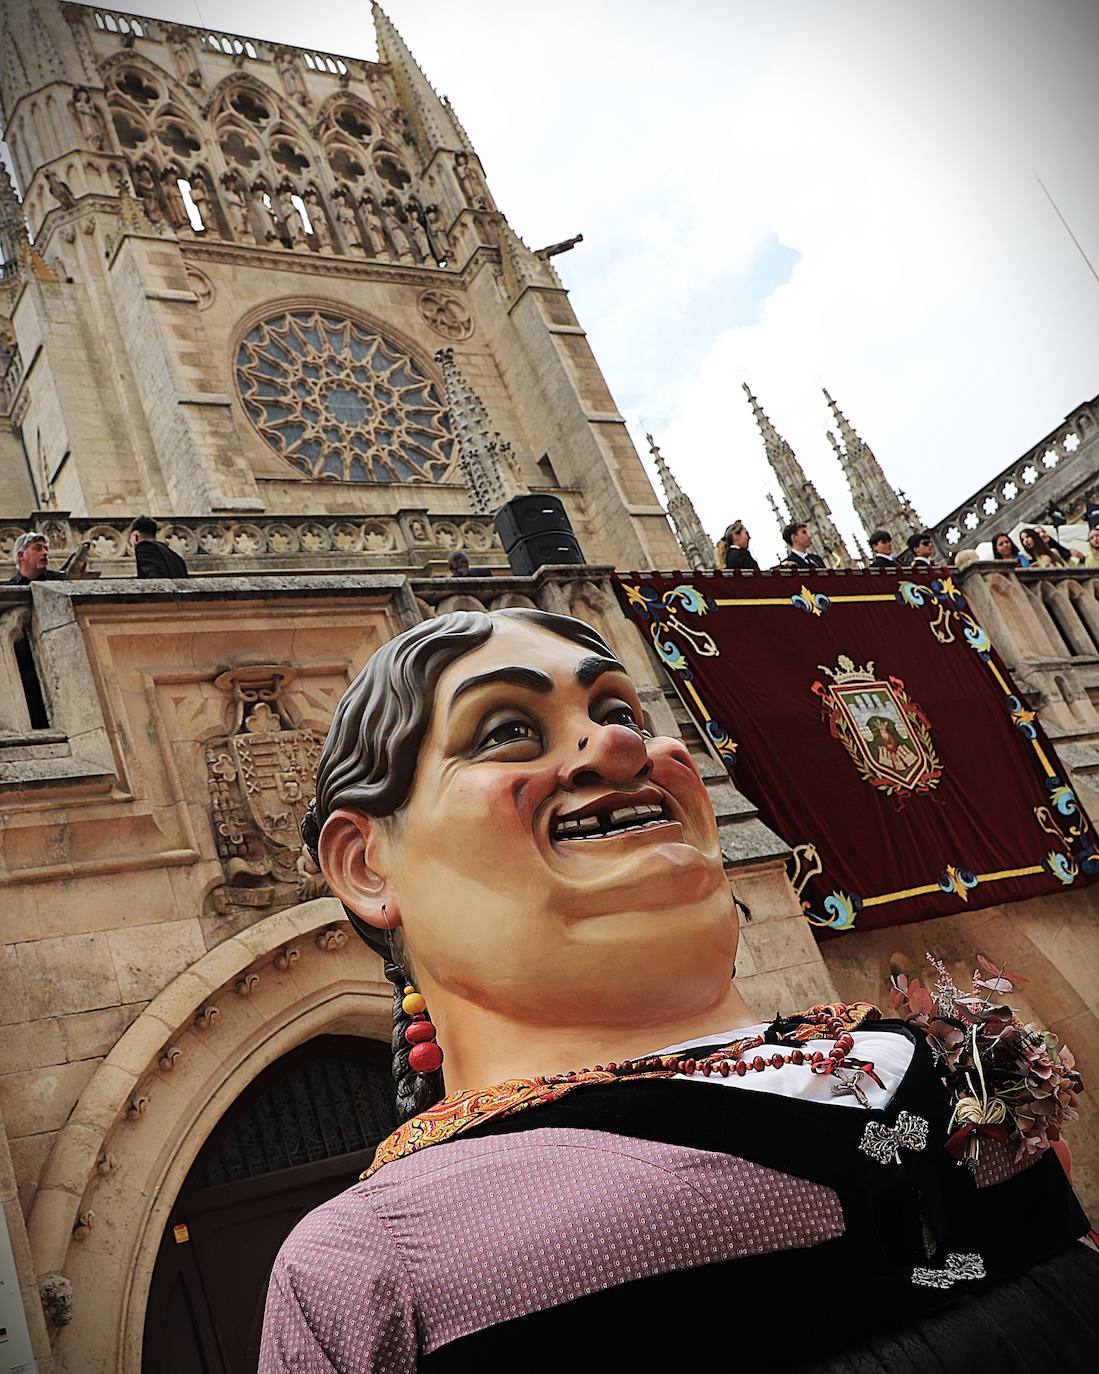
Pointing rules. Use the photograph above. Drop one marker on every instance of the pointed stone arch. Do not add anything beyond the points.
(109, 1183)
(175, 90)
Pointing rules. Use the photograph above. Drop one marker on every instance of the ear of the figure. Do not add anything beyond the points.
(352, 858)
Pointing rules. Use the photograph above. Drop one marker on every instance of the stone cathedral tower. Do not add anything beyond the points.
(803, 500)
(877, 505)
(245, 259)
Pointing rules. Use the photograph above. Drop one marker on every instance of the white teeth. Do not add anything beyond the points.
(620, 821)
(626, 813)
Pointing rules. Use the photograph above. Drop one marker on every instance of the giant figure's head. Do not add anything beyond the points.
(489, 791)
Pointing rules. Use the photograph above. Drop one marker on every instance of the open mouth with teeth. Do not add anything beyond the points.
(601, 822)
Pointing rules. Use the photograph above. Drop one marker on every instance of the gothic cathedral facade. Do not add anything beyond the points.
(225, 288)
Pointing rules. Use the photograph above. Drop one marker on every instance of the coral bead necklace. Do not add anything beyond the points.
(727, 1061)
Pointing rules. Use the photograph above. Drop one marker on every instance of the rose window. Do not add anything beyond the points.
(339, 401)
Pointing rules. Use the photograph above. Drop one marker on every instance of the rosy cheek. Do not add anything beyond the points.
(500, 799)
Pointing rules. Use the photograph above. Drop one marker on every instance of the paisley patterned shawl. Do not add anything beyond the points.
(461, 1111)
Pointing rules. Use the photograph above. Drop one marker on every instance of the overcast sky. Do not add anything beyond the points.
(792, 193)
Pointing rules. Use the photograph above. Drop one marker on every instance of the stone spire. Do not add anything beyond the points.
(802, 499)
(878, 506)
(780, 519)
(13, 228)
(489, 467)
(433, 122)
(697, 546)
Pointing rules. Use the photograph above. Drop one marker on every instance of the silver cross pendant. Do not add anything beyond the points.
(847, 1083)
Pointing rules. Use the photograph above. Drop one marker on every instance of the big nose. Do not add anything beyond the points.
(606, 753)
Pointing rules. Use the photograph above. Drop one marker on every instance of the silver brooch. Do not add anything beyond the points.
(957, 1268)
(885, 1143)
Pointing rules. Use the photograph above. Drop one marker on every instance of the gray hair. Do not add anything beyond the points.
(369, 764)
(25, 541)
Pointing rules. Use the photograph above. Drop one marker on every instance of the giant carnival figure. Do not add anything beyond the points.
(618, 1166)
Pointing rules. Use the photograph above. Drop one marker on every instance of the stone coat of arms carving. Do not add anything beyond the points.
(260, 778)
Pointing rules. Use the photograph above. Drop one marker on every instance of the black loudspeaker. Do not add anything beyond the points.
(557, 546)
(526, 515)
(535, 530)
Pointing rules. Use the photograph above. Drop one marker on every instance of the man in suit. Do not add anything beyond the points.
(798, 541)
(735, 540)
(32, 560)
(154, 558)
(921, 549)
(881, 547)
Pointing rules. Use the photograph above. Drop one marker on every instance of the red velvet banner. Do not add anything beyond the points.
(869, 719)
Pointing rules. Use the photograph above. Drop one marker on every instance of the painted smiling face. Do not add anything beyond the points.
(549, 858)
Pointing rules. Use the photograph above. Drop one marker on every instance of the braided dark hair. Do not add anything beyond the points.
(369, 764)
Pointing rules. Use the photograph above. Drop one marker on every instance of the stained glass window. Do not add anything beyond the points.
(339, 401)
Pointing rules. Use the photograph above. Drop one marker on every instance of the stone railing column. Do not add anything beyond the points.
(14, 716)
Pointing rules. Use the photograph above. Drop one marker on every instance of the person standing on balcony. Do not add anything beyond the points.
(1091, 560)
(1003, 546)
(1038, 552)
(798, 542)
(32, 560)
(732, 549)
(921, 549)
(881, 550)
(154, 557)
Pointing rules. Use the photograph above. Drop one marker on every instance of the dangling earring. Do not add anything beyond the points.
(425, 1055)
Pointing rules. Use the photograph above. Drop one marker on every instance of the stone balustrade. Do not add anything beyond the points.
(1059, 471)
(1045, 624)
(409, 541)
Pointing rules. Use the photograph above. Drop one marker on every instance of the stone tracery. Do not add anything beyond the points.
(264, 176)
(339, 401)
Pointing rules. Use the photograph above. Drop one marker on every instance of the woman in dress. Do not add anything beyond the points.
(618, 1163)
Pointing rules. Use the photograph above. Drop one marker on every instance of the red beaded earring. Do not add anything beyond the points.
(425, 1055)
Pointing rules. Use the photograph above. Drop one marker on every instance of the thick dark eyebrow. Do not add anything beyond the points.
(588, 669)
(532, 678)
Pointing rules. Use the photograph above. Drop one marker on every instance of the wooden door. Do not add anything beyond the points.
(300, 1134)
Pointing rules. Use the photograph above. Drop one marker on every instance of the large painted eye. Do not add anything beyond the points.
(512, 731)
(619, 713)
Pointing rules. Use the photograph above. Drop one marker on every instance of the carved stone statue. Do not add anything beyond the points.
(318, 217)
(60, 191)
(146, 191)
(601, 1142)
(350, 231)
(394, 231)
(291, 219)
(379, 243)
(415, 232)
(265, 227)
(89, 118)
(293, 83)
(441, 245)
(174, 204)
(200, 195)
(473, 185)
(179, 40)
(236, 207)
